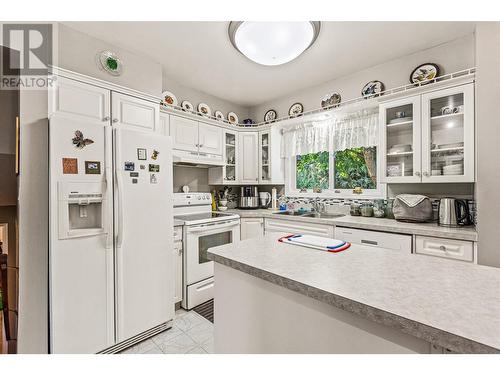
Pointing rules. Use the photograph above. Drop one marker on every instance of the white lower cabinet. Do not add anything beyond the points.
(289, 226)
(178, 252)
(445, 248)
(376, 239)
(251, 228)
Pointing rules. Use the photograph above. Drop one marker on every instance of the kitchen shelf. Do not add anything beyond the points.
(445, 119)
(399, 124)
(401, 153)
(449, 149)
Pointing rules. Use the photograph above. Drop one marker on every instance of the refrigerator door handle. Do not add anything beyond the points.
(119, 188)
(108, 183)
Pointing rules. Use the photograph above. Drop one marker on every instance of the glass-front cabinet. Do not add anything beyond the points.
(401, 140)
(429, 137)
(264, 157)
(230, 155)
(228, 173)
(448, 130)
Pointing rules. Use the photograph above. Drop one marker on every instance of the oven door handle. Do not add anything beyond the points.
(212, 226)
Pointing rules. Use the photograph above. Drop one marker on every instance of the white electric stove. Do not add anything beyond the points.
(202, 230)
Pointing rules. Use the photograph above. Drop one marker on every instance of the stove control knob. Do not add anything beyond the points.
(199, 198)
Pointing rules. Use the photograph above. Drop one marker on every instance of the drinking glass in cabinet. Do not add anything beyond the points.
(399, 136)
(447, 135)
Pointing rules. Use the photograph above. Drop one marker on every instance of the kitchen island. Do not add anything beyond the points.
(272, 297)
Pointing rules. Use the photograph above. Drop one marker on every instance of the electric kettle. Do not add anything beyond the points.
(454, 213)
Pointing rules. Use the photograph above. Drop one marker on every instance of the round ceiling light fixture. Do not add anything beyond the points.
(273, 43)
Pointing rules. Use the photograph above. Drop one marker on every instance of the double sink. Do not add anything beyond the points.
(318, 215)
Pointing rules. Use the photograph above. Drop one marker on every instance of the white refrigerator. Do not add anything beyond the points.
(111, 241)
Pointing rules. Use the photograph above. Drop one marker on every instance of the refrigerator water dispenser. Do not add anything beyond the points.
(81, 209)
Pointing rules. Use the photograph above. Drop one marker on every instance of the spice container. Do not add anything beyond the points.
(388, 209)
(379, 208)
(355, 209)
(367, 209)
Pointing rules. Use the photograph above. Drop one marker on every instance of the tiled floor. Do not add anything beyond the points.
(191, 334)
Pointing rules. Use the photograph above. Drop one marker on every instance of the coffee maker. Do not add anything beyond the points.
(249, 197)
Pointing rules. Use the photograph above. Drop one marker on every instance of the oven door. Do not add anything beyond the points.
(200, 238)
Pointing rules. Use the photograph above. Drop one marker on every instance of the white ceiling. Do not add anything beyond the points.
(200, 55)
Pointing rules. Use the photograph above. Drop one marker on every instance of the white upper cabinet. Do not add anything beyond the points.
(401, 138)
(164, 124)
(448, 131)
(210, 139)
(133, 113)
(87, 102)
(429, 137)
(271, 165)
(228, 173)
(184, 133)
(249, 157)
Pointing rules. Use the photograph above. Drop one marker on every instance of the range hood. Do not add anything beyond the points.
(196, 159)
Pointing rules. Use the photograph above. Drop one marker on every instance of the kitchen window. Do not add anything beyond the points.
(336, 174)
(334, 155)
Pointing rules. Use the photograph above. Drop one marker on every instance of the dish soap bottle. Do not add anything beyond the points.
(214, 204)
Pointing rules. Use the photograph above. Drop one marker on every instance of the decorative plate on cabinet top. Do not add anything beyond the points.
(110, 62)
(331, 100)
(169, 98)
(296, 110)
(372, 89)
(270, 116)
(204, 109)
(219, 115)
(424, 73)
(187, 106)
(232, 118)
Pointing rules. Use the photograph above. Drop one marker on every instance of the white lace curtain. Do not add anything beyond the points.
(358, 129)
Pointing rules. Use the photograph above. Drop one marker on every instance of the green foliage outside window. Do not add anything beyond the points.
(356, 167)
(312, 171)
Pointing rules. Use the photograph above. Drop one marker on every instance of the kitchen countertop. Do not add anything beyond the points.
(452, 304)
(372, 223)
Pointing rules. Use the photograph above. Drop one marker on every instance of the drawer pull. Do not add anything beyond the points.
(442, 247)
(369, 242)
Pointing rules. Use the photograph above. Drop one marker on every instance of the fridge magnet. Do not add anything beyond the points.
(153, 179)
(70, 165)
(142, 154)
(154, 168)
(134, 174)
(80, 141)
(142, 166)
(129, 166)
(134, 180)
(92, 167)
(154, 155)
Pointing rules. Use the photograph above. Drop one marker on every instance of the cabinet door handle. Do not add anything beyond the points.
(115, 120)
(426, 174)
(417, 174)
(105, 119)
(200, 145)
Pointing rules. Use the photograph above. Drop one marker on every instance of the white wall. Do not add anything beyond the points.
(77, 52)
(487, 141)
(33, 224)
(452, 56)
(195, 97)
